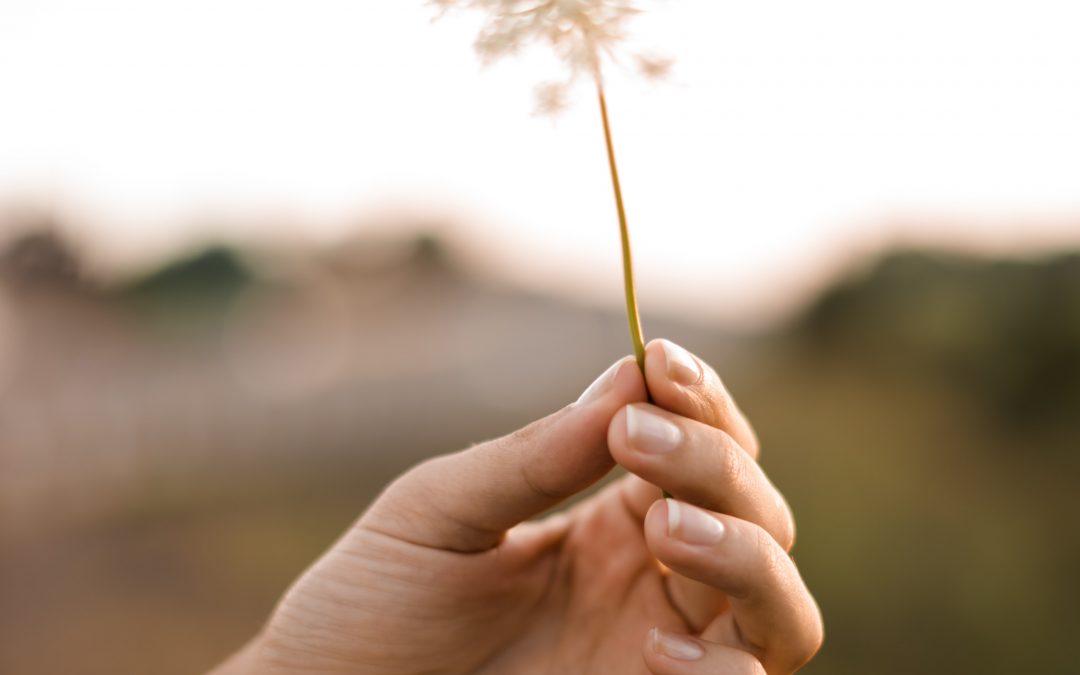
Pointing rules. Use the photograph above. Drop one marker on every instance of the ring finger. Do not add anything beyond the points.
(772, 614)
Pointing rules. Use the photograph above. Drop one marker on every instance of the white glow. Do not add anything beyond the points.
(790, 132)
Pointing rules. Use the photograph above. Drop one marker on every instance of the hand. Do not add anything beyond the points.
(441, 574)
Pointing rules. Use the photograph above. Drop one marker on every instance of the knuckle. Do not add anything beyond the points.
(814, 636)
(523, 437)
(542, 487)
(759, 565)
(713, 404)
(810, 633)
(774, 562)
(732, 465)
(785, 535)
(753, 443)
(807, 645)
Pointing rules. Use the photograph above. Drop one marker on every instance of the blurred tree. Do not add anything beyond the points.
(1006, 333)
(190, 293)
(39, 258)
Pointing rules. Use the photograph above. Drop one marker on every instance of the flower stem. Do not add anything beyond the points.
(632, 315)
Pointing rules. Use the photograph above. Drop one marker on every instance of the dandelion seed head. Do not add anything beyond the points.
(551, 98)
(581, 33)
(653, 67)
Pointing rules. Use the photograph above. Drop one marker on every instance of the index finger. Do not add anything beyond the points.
(682, 383)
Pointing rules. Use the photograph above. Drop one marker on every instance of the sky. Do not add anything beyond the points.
(791, 139)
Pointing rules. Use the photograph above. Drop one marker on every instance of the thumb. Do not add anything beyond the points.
(466, 501)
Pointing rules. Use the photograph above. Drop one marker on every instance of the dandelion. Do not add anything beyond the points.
(583, 34)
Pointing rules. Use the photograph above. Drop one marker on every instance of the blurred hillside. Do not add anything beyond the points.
(1004, 333)
(221, 372)
(176, 449)
(927, 410)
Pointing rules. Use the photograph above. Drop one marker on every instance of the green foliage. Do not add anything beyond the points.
(922, 420)
(191, 293)
(1004, 333)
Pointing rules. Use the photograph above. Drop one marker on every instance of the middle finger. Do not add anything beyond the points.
(701, 465)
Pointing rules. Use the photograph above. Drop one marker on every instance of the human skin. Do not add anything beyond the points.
(445, 573)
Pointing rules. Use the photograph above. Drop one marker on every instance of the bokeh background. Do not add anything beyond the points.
(257, 258)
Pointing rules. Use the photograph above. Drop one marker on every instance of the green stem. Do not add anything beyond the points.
(632, 315)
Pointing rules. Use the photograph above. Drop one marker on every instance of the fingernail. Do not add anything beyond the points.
(691, 525)
(600, 385)
(648, 432)
(676, 646)
(682, 367)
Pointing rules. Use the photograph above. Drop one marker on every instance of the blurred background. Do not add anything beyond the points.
(257, 258)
